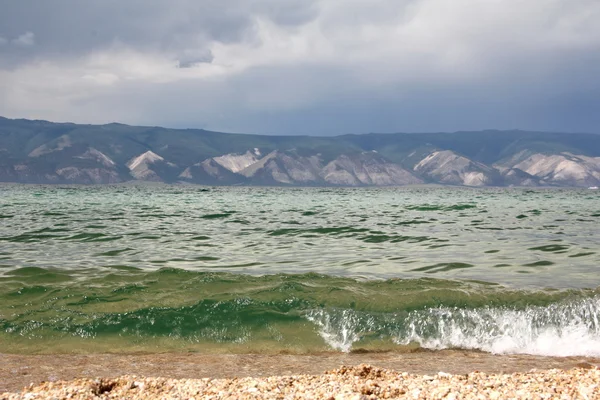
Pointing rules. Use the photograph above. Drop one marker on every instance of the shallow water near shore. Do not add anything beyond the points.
(20, 370)
(271, 270)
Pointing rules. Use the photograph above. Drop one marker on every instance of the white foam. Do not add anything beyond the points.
(339, 329)
(566, 329)
(570, 328)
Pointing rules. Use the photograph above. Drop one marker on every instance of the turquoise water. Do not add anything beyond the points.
(237, 269)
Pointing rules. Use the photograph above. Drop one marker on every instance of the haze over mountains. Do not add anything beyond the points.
(46, 152)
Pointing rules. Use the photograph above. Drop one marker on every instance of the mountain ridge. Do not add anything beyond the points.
(38, 151)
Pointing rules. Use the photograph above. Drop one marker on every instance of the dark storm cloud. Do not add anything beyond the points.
(337, 105)
(71, 28)
(304, 67)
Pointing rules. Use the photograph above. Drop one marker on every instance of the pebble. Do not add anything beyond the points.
(347, 382)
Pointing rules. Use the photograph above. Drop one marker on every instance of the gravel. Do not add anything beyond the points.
(357, 382)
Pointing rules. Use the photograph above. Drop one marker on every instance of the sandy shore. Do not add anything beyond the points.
(201, 372)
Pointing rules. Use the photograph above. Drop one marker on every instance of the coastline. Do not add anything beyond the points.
(19, 371)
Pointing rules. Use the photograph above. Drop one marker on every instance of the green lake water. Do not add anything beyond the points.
(252, 269)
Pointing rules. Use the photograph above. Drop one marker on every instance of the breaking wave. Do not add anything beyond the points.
(569, 328)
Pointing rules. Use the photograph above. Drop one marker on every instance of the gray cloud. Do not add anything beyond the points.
(75, 28)
(26, 39)
(310, 67)
(190, 59)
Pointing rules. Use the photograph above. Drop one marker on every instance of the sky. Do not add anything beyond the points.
(310, 67)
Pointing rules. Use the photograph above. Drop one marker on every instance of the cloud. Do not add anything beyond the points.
(26, 39)
(3, 41)
(72, 28)
(300, 66)
(192, 58)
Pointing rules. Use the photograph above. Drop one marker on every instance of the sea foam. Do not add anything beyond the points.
(570, 328)
(340, 328)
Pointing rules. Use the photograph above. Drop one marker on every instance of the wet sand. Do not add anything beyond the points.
(18, 371)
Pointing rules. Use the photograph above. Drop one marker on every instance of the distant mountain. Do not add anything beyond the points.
(445, 166)
(46, 152)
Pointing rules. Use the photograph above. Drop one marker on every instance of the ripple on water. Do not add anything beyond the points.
(37, 274)
(542, 263)
(113, 253)
(585, 254)
(218, 216)
(30, 237)
(550, 248)
(442, 267)
(200, 237)
(92, 237)
(297, 231)
(428, 207)
(413, 222)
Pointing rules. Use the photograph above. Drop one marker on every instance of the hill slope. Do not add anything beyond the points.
(46, 152)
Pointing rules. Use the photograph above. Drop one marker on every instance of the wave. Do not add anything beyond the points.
(568, 328)
(340, 330)
(308, 312)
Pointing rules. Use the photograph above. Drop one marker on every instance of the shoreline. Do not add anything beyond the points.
(18, 371)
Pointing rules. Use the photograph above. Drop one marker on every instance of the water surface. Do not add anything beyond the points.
(237, 269)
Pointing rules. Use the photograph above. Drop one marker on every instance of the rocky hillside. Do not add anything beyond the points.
(45, 152)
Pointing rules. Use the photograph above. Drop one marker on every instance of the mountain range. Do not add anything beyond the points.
(33, 151)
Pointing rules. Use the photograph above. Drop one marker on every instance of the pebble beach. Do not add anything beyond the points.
(358, 382)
